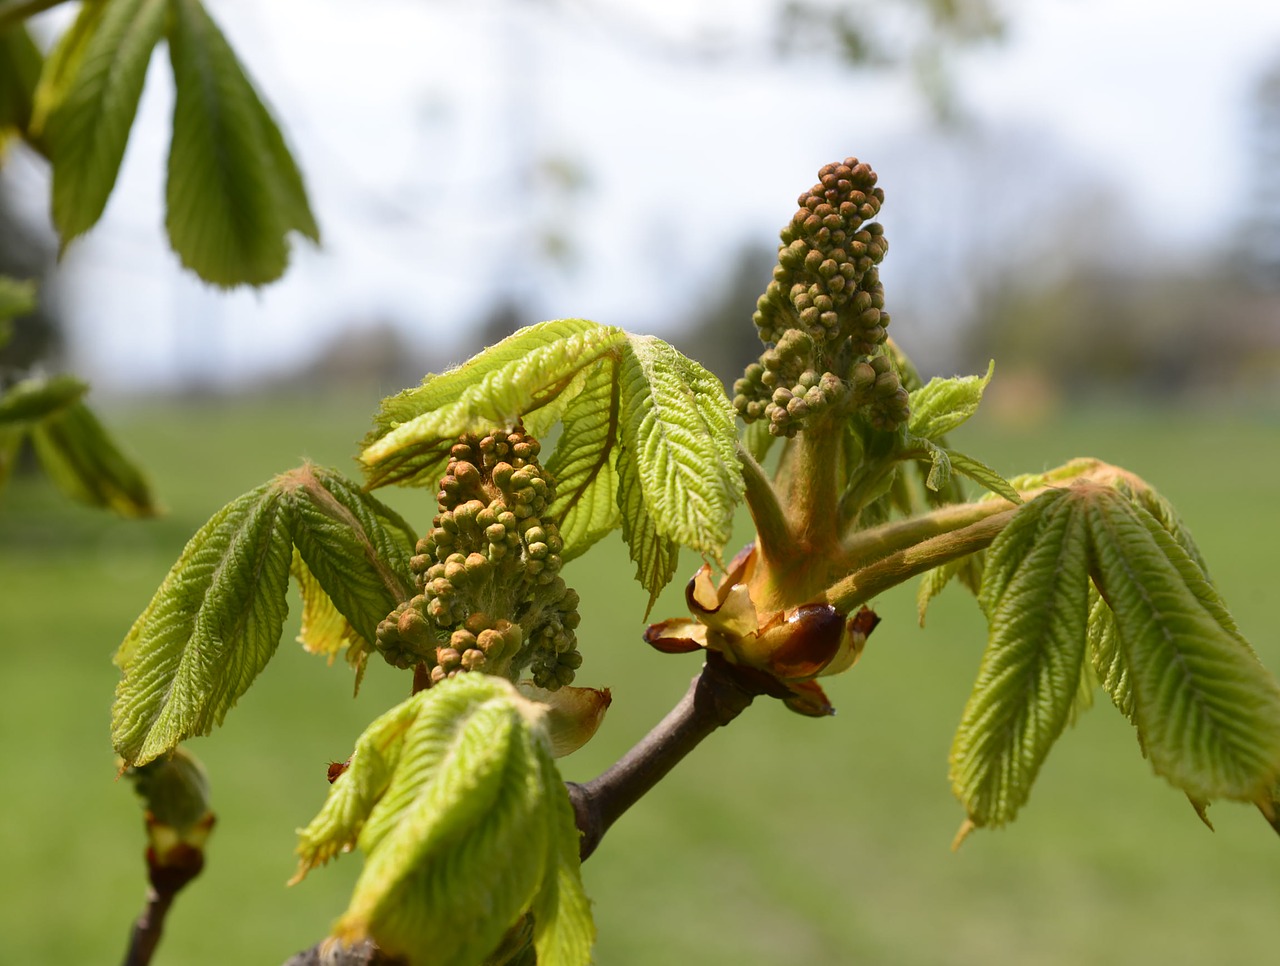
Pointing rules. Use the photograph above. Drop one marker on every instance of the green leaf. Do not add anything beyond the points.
(208, 631)
(323, 630)
(584, 466)
(20, 64)
(234, 192)
(540, 367)
(457, 805)
(17, 298)
(87, 131)
(758, 440)
(31, 400)
(1207, 713)
(1036, 600)
(84, 461)
(933, 582)
(655, 556)
(679, 431)
(63, 64)
(10, 443)
(945, 404)
(983, 475)
(564, 931)
(1107, 655)
(357, 548)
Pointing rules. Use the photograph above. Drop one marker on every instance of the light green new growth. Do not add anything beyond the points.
(647, 440)
(466, 828)
(1086, 569)
(217, 618)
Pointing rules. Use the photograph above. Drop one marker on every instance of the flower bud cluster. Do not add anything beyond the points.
(824, 311)
(490, 594)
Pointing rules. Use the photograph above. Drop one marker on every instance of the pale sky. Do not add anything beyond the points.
(411, 121)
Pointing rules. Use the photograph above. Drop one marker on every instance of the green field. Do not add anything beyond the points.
(782, 840)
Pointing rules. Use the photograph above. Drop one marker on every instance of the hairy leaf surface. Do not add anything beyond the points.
(1035, 595)
(583, 466)
(946, 404)
(457, 805)
(679, 431)
(88, 129)
(357, 548)
(542, 366)
(208, 631)
(1208, 714)
(234, 192)
(654, 555)
(85, 462)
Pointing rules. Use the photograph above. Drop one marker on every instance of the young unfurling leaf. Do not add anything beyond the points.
(677, 482)
(466, 828)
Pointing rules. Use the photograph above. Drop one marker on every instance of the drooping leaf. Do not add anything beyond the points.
(564, 930)
(357, 548)
(1036, 601)
(1006, 553)
(933, 582)
(983, 475)
(945, 404)
(457, 805)
(540, 367)
(63, 64)
(654, 555)
(1107, 656)
(323, 630)
(88, 465)
(31, 400)
(1207, 713)
(20, 64)
(678, 429)
(208, 631)
(758, 440)
(88, 128)
(234, 192)
(583, 466)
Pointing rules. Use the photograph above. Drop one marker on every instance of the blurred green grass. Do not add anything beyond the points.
(781, 840)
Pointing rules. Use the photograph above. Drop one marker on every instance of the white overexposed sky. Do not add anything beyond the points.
(414, 123)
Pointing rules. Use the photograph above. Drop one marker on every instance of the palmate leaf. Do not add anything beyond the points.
(217, 618)
(208, 631)
(638, 417)
(234, 192)
(84, 461)
(465, 825)
(1035, 595)
(541, 366)
(1207, 713)
(100, 82)
(357, 548)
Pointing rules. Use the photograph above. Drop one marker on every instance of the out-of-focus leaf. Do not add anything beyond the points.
(16, 298)
(32, 400)
(88, 128)
(20, 64)
(86, 463)
(208, 631)
(234, 192)
(63, 63)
